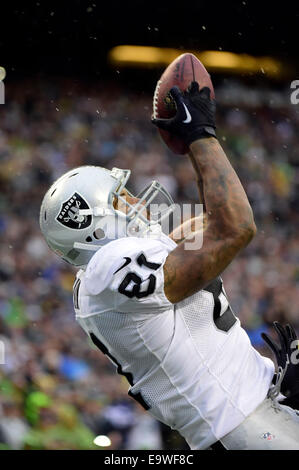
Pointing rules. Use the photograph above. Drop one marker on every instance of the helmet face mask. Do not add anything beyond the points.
(78, 216)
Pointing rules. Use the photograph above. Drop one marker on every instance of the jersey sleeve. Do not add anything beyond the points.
(127, 275)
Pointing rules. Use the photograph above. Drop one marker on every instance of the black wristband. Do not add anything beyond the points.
(201, 133)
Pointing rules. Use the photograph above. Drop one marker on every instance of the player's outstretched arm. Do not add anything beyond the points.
(230, 224)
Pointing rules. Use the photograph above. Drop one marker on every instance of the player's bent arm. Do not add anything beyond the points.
(230, 224)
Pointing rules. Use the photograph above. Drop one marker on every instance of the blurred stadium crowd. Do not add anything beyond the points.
(56, 390)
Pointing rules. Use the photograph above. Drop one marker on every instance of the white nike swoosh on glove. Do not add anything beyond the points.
(188, 118)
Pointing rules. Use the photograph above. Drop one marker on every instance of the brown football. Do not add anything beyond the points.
(181, 72)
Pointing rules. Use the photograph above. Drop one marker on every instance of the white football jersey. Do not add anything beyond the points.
(190, 364)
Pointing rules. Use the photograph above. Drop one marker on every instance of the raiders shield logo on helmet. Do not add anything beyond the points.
(69, 213)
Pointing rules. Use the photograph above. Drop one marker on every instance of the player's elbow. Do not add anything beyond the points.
(240, 231)
(248, 233)
(245, 231)
(236, 227)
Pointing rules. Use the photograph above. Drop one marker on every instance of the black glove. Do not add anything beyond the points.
(195, 116)
(283, 354)
(291, 401)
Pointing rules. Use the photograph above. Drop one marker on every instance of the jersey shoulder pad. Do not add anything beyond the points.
(131, 269)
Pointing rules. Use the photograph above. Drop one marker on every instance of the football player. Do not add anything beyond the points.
(159, 311)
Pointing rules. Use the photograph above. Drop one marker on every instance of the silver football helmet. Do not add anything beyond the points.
(78, 217)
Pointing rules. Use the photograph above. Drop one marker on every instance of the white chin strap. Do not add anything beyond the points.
(85, 246)
(96, 211)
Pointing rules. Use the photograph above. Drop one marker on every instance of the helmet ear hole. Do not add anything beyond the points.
(99, 234)
(88, 239)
